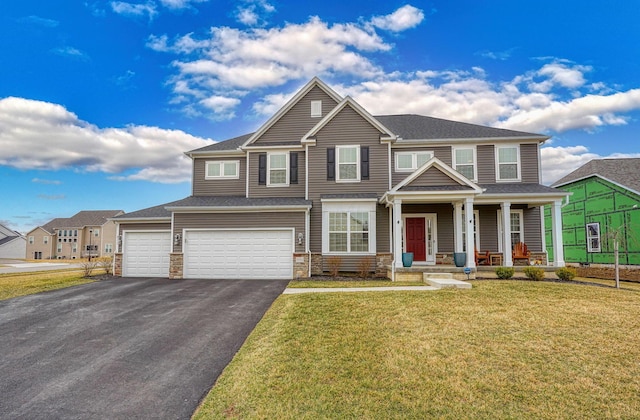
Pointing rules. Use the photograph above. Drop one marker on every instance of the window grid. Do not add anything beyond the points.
(277, 169)
(348, 163)
(349, 232)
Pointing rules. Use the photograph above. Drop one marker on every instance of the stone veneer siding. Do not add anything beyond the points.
(300, 266)
(382, 262)
(117, 264)
(176, 263)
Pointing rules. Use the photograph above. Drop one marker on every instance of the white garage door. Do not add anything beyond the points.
(239, 254)
(146, 254)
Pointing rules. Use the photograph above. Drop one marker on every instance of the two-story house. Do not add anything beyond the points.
(12, 243)
(88, 233)
(323, 180)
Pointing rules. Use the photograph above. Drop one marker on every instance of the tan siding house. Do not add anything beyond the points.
(323, 180)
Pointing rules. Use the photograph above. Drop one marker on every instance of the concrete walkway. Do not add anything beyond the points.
(295, 291)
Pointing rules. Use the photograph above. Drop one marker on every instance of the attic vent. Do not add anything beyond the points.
(316, 109)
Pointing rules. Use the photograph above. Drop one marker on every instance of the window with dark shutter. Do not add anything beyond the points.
(331, 164)
(364, 162)
(293, 168)
(262, 169)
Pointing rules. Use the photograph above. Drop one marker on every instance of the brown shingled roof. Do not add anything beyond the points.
(625, 172)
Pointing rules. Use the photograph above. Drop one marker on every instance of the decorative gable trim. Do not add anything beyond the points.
(290, 104)
(434, 162)
(386, 134)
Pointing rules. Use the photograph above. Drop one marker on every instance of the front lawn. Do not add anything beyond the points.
(504, 349)
(20, 284)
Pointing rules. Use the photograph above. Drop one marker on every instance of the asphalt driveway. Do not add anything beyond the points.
(123, 348)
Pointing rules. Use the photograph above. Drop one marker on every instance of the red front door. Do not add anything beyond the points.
(415, 238)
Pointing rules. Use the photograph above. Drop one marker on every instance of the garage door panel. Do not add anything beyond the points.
(239, 254)
(146, 254)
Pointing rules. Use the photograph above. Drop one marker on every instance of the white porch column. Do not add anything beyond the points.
(506, 234)
(470, 242)
(556, 232)
(397, 232)
(457, 225)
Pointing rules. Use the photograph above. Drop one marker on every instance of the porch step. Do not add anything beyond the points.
(442, 280)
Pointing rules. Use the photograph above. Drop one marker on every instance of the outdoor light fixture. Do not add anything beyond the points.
(300, 238)
(176, 239)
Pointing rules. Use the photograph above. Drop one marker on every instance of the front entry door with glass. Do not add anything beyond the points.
(420, 237)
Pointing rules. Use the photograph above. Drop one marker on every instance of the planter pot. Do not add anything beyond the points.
(459, 259)
(407, 259)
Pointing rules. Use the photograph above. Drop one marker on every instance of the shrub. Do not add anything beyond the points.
(534, 273)
(566, 273)
(334, 265)
(505, 273)
(106, 263)
(88, 267)
(364, 267)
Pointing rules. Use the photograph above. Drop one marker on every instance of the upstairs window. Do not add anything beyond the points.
(45, 240)
(410, 161)
(593, 237)
(316, 109)
(348, 163)
(464, 161)
(277, 171)
(30, 240)
(228, 169)
(508, 163)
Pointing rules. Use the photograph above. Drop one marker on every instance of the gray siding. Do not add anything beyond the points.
(441, 152)
(298, 121)
(486, 157)
(529, 163)
(269, 220)
(533, 229)
(446, 238)
(293, 190)
(346, 128)
(488, 225)
(218, 187)
(433, 177)
(350, 263)
(145, 226)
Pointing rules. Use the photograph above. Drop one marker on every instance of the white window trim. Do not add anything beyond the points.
(222, 163)
(349, 207)
(414, 159)
(518, 163)
(475, 160)
(31, 240)
(337, 158)
(316, 109)
(589, 237)
(501, 234)
(286, 168)
(45, 240)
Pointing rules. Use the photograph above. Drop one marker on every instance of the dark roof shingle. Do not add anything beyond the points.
(625, 172)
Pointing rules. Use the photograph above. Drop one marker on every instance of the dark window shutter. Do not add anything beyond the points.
(293, 168)
(331, 164)
(262, 169)
(364, 162)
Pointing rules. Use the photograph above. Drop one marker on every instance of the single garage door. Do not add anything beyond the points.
(146, 254)
(239, 254)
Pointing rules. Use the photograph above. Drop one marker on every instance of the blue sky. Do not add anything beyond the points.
(99, 99)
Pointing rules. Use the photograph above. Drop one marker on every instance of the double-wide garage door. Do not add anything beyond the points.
(146, 254)
(238, 254)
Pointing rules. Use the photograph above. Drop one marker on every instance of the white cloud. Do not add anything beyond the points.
(560, 161)
(254, 12)
(46, 181)
(135, 9)
(402, 19)
(40, 21)
(70, 52)
(28, 128)
(180, 4)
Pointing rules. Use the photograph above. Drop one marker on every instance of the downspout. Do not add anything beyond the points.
(393, 260)
(306, 239)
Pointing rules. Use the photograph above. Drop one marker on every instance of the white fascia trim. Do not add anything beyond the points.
(294, 100)
(519, 198)
(230, 209)
(470, 140)
(145, 220)
(348, 200)
(264, 148)
(434, 161)
(215, 153)
(356, 107)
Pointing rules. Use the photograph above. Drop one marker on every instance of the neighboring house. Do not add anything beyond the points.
(87, 233)
(324, 178)
(12, 244)
(605, 198)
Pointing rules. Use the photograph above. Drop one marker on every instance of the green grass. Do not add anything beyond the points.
(504, 349)
(20, 284)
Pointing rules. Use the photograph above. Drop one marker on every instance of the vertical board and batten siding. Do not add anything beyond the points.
(260, 220)
(433, 177)
(486, 164)
(292, 190)
(347, 128)
(529, 162)
(218, 187)
(297, 121)
(441, 152)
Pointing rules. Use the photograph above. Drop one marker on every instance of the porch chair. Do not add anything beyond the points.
(482, 259)
(520, 252)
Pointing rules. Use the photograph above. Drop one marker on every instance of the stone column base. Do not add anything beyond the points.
(117, 264)
(176, 264)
